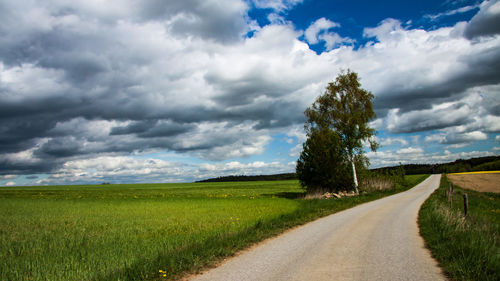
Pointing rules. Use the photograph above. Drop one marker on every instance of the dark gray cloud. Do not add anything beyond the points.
(486, 22)
(431, 119)
(218, 20)
(153, 128)
(25, 166)
(134, 128)
(60, 147)
(18, 134)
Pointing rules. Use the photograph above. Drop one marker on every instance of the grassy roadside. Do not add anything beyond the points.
(131, 232)
(467, 249)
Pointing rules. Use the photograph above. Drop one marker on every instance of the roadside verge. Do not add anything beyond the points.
(467, 248)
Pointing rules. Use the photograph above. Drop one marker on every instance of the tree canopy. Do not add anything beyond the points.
(340, 117)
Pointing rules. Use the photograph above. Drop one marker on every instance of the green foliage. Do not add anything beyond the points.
(323, 163)
(467, 249)
(346, 109)
(488, 166)
(343, 110)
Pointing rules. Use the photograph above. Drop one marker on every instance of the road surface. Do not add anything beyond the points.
(378, 240)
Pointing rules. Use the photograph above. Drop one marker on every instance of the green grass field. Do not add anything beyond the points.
(467, 249)
(131, 232)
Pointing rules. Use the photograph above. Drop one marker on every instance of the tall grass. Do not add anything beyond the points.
(466, 248)
(371, 182)
(131, 232)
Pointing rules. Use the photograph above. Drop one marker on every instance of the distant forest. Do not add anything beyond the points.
(277, 177)
(489, 163)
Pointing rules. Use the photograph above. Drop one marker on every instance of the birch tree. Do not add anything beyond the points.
(345, 109)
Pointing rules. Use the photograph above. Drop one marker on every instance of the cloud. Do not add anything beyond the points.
(464, 137)
(277, 5)
(457, 137)
(486, 22)
(410, 150)
(296, 151)
(126, 169)
(318, 31)
(392, 141)
(440, 116)
(399, 71)
(434, 138)
(81, 81)
(10, 183)
(387, 29)
(452, 12)
(316, 27)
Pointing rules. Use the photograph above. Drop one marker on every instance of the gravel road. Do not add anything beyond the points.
(378, 240)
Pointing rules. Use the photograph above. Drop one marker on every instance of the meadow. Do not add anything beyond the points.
(146, 231)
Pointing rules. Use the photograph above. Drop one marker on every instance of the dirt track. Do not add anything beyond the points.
(477, 182)
(378, 240)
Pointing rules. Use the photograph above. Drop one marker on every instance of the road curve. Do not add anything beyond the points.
(378, 240)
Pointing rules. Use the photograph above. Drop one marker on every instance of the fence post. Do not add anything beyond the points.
(450, 193)
(466, 204)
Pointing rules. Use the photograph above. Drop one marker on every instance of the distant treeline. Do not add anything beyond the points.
(488, 163)
(277, 177)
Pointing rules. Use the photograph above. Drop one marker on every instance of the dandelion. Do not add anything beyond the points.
(164, 275)
(160, 271)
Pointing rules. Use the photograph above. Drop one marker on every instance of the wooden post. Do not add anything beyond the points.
(450, 193)
(466, 204)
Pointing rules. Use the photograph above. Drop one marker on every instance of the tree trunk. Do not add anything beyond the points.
(354, 175)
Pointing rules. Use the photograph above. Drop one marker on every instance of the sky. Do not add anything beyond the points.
(127, 91)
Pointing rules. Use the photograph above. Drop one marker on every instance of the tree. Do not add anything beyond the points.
(322, 165)
(345, 109)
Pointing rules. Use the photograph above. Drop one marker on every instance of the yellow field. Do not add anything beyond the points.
(478, 181)
(473, 173)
